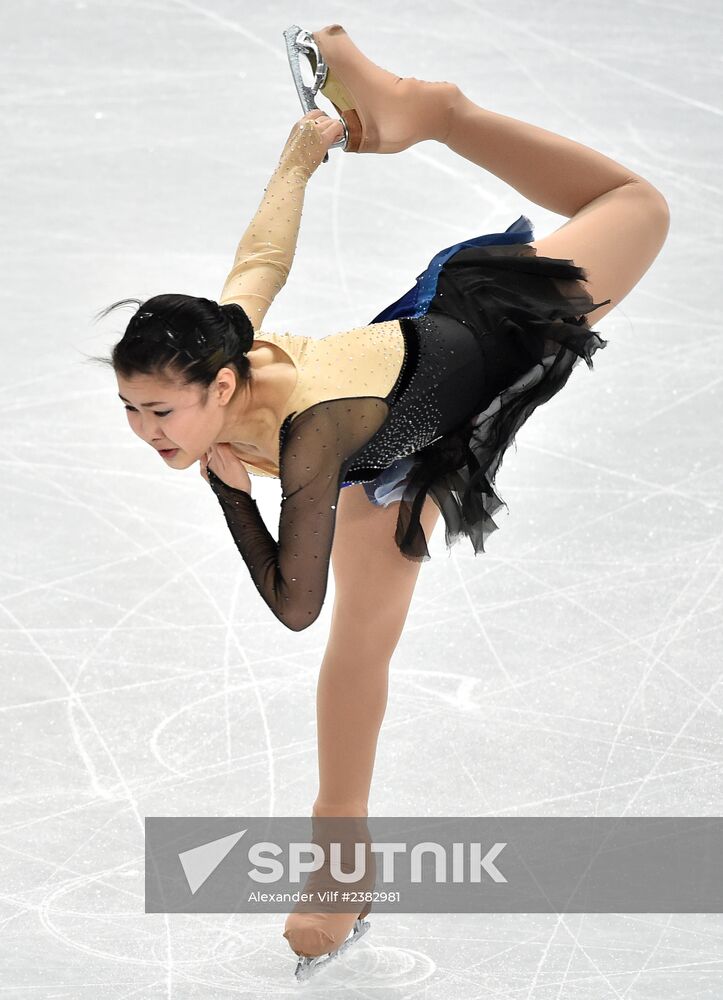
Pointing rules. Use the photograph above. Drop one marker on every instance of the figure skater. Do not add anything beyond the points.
(376, 431)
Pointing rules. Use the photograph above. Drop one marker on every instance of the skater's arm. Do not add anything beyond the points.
(266, 250)
(292, 574)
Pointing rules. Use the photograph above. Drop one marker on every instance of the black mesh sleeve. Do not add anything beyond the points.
(319, 445)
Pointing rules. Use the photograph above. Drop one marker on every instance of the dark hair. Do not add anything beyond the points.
(182, 336)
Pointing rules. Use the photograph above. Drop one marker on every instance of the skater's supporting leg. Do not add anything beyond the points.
(374, 584)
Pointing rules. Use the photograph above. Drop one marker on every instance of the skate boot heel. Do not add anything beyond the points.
(300, 42)
(381, 112)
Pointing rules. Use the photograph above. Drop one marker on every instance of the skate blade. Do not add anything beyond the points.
(297, 41)
(308, 967)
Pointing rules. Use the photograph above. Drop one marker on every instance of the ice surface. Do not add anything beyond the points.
(572, 670)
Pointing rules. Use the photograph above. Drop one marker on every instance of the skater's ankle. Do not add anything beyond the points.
(450, 98)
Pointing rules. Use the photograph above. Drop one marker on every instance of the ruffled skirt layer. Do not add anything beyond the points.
(519, 306)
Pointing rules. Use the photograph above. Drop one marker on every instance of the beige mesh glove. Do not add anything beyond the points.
(266, 251)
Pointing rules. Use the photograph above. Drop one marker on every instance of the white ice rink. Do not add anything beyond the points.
(572, 670)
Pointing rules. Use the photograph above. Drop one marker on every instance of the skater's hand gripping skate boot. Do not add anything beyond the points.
(310, 140)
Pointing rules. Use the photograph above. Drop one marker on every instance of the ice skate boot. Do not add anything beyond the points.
(380, 111)
(318, 931)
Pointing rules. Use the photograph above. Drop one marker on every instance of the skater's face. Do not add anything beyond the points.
(179, 421)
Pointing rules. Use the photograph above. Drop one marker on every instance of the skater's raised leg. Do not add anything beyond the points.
(618, 220)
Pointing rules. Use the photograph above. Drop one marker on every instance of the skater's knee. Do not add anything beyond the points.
(367, 633)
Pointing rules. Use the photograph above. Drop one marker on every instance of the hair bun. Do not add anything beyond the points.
(242, 325)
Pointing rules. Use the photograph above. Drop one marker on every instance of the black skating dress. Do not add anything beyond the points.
(491, 331)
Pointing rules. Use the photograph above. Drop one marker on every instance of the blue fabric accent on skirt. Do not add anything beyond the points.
(416, 301)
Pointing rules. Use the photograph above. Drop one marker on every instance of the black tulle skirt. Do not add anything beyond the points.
(519, 306)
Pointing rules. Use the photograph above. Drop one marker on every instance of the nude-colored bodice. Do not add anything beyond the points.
(364, 361)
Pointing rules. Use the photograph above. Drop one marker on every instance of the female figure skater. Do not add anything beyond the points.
(376, 431)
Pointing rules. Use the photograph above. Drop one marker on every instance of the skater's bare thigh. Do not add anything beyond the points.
(374, 582)
(615, 238)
